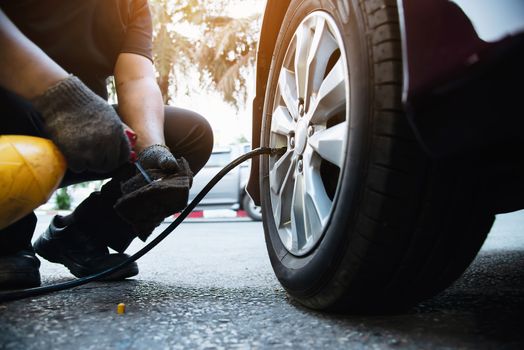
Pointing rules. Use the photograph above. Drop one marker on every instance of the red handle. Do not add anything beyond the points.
(132, 140)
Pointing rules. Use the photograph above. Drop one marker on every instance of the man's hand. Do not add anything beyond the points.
(145, 205)
(84, 127)
(158, 157)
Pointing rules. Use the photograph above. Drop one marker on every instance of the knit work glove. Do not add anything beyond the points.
(84, 127)
(145, 205)
(158, 157)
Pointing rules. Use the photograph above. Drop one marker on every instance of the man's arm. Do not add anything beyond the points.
(66, 105)
(24, 68)
(140, 102)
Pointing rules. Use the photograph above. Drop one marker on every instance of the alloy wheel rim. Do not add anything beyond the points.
(310, 118)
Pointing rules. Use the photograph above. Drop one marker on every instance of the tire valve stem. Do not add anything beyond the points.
(278, 151)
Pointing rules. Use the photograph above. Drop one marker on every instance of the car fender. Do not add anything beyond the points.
(460, 58)
(273, 17)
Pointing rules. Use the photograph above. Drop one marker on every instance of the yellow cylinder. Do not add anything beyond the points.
(31, 169)
(121, 308)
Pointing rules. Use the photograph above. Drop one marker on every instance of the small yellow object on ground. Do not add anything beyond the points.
(121, 308)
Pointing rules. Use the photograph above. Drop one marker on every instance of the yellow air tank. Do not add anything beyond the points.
(31, 169)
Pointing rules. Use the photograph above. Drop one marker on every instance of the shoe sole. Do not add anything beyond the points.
(19, 279)
(78, 270)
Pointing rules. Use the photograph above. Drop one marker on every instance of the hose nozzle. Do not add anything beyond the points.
(278, 151)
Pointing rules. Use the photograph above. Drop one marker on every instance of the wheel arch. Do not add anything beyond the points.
(271, 23)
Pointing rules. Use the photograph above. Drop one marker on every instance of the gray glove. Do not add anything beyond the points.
(158, 157)
(145, 205)
(84, 127)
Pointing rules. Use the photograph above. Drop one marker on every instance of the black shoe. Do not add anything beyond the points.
(82, 255)
(19, 270)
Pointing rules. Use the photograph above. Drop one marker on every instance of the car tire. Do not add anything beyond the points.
(251, 209)
(395, 226)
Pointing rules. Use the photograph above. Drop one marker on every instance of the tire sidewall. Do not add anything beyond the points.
(306, 275)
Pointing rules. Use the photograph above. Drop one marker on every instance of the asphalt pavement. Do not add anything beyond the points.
(210, 286)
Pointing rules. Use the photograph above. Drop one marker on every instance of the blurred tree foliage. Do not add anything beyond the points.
(63, 199)
(221, 49)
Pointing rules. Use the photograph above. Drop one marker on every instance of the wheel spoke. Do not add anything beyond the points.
(288, 90)
(280, 172)
(298, 226)
(322, 47)
(283, 211)
(329, 143)
(331, 95)
(303, 38)
(282, 121)
(317, 202)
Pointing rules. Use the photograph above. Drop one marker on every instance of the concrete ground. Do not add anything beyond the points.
(210, 286)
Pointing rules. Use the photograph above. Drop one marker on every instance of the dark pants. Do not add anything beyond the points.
(187, 134)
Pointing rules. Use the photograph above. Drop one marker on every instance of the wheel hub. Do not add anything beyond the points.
(301, 135)
(309, 116)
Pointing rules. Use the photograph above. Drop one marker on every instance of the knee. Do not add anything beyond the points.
(189, 135)
(203, 145)
(206, 136)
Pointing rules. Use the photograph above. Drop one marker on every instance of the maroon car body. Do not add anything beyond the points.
(462, 71)
(462, 64)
